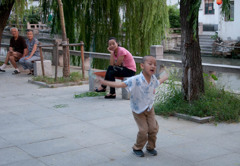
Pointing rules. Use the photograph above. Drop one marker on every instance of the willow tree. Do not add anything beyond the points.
(6, 6)
(5, 10)
(144, 23)
(192, 80)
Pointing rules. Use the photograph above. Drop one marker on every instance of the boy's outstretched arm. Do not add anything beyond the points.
(164, 78)
(111, 83)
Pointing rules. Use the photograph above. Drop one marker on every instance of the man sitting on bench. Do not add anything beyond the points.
(17, 49)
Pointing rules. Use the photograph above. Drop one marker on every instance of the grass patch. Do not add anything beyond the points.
(223, 105)
(90, 94)
(1, 63)
(61, 106)
(74, 77)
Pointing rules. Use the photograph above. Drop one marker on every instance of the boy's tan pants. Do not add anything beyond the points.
(148, 129)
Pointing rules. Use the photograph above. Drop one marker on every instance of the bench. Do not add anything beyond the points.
(38, 68)
(125, 93)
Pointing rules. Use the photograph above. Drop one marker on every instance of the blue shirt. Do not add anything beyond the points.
(30, 45)
(142, 92)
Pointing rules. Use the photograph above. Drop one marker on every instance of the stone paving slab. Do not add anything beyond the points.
(50, 147)
(49, 127)
(229, 159)
(29, 137)
(11, 155)
(31, 162)
(196, 151)
(75, 158)
(4, 143)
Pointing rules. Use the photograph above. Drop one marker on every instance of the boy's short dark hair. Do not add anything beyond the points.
(146, 57)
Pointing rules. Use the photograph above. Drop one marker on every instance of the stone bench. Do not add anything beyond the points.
(38, 68)
(92, 84)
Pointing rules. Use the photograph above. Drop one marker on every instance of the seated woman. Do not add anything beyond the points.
(122, 64)
(33, 53)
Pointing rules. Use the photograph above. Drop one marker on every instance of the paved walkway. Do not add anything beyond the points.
(48, 127)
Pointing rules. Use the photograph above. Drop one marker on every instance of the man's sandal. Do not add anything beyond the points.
(15, 72)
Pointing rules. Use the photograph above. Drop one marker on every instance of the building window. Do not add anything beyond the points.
(230, 17)
(209, 7)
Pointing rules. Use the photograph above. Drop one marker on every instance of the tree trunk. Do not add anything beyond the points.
(66, 61)
(5, 9)
(192, 80)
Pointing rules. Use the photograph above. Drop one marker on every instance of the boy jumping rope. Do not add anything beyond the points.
(142, 88)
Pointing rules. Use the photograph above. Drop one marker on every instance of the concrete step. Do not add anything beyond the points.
(201, 46)
(206, 48)
(203, 51)
(205, 36)
(206, 52)
(206, 40)
(205, 43)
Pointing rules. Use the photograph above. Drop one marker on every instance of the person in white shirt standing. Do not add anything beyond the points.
(142, 88)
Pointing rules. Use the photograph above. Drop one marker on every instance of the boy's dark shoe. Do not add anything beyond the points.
(152, 152)
(2, 70)
(138, 153)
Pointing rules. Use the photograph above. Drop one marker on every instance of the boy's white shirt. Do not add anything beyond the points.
(142, 93)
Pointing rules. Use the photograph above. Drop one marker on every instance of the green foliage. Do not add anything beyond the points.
(193, 15)
(90, 94)
(74, 77)
(225, 8)
(32, 15)
(215, 36)
(61, 106)
(144, 23)
(206, 76)
(174, 16)
(18, 11)
(217, 102)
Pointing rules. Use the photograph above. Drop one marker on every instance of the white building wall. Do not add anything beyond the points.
(208, 18)
(230, 28)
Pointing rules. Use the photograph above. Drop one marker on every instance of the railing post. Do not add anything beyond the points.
(82, 58)
(54, 57)
(41, 56)
(55, 54)
(157, 52)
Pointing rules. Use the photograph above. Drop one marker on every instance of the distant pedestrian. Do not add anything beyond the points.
(33, 53)
(142, 88)
(17, 50)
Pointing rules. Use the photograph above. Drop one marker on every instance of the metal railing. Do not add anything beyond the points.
(160, 62)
